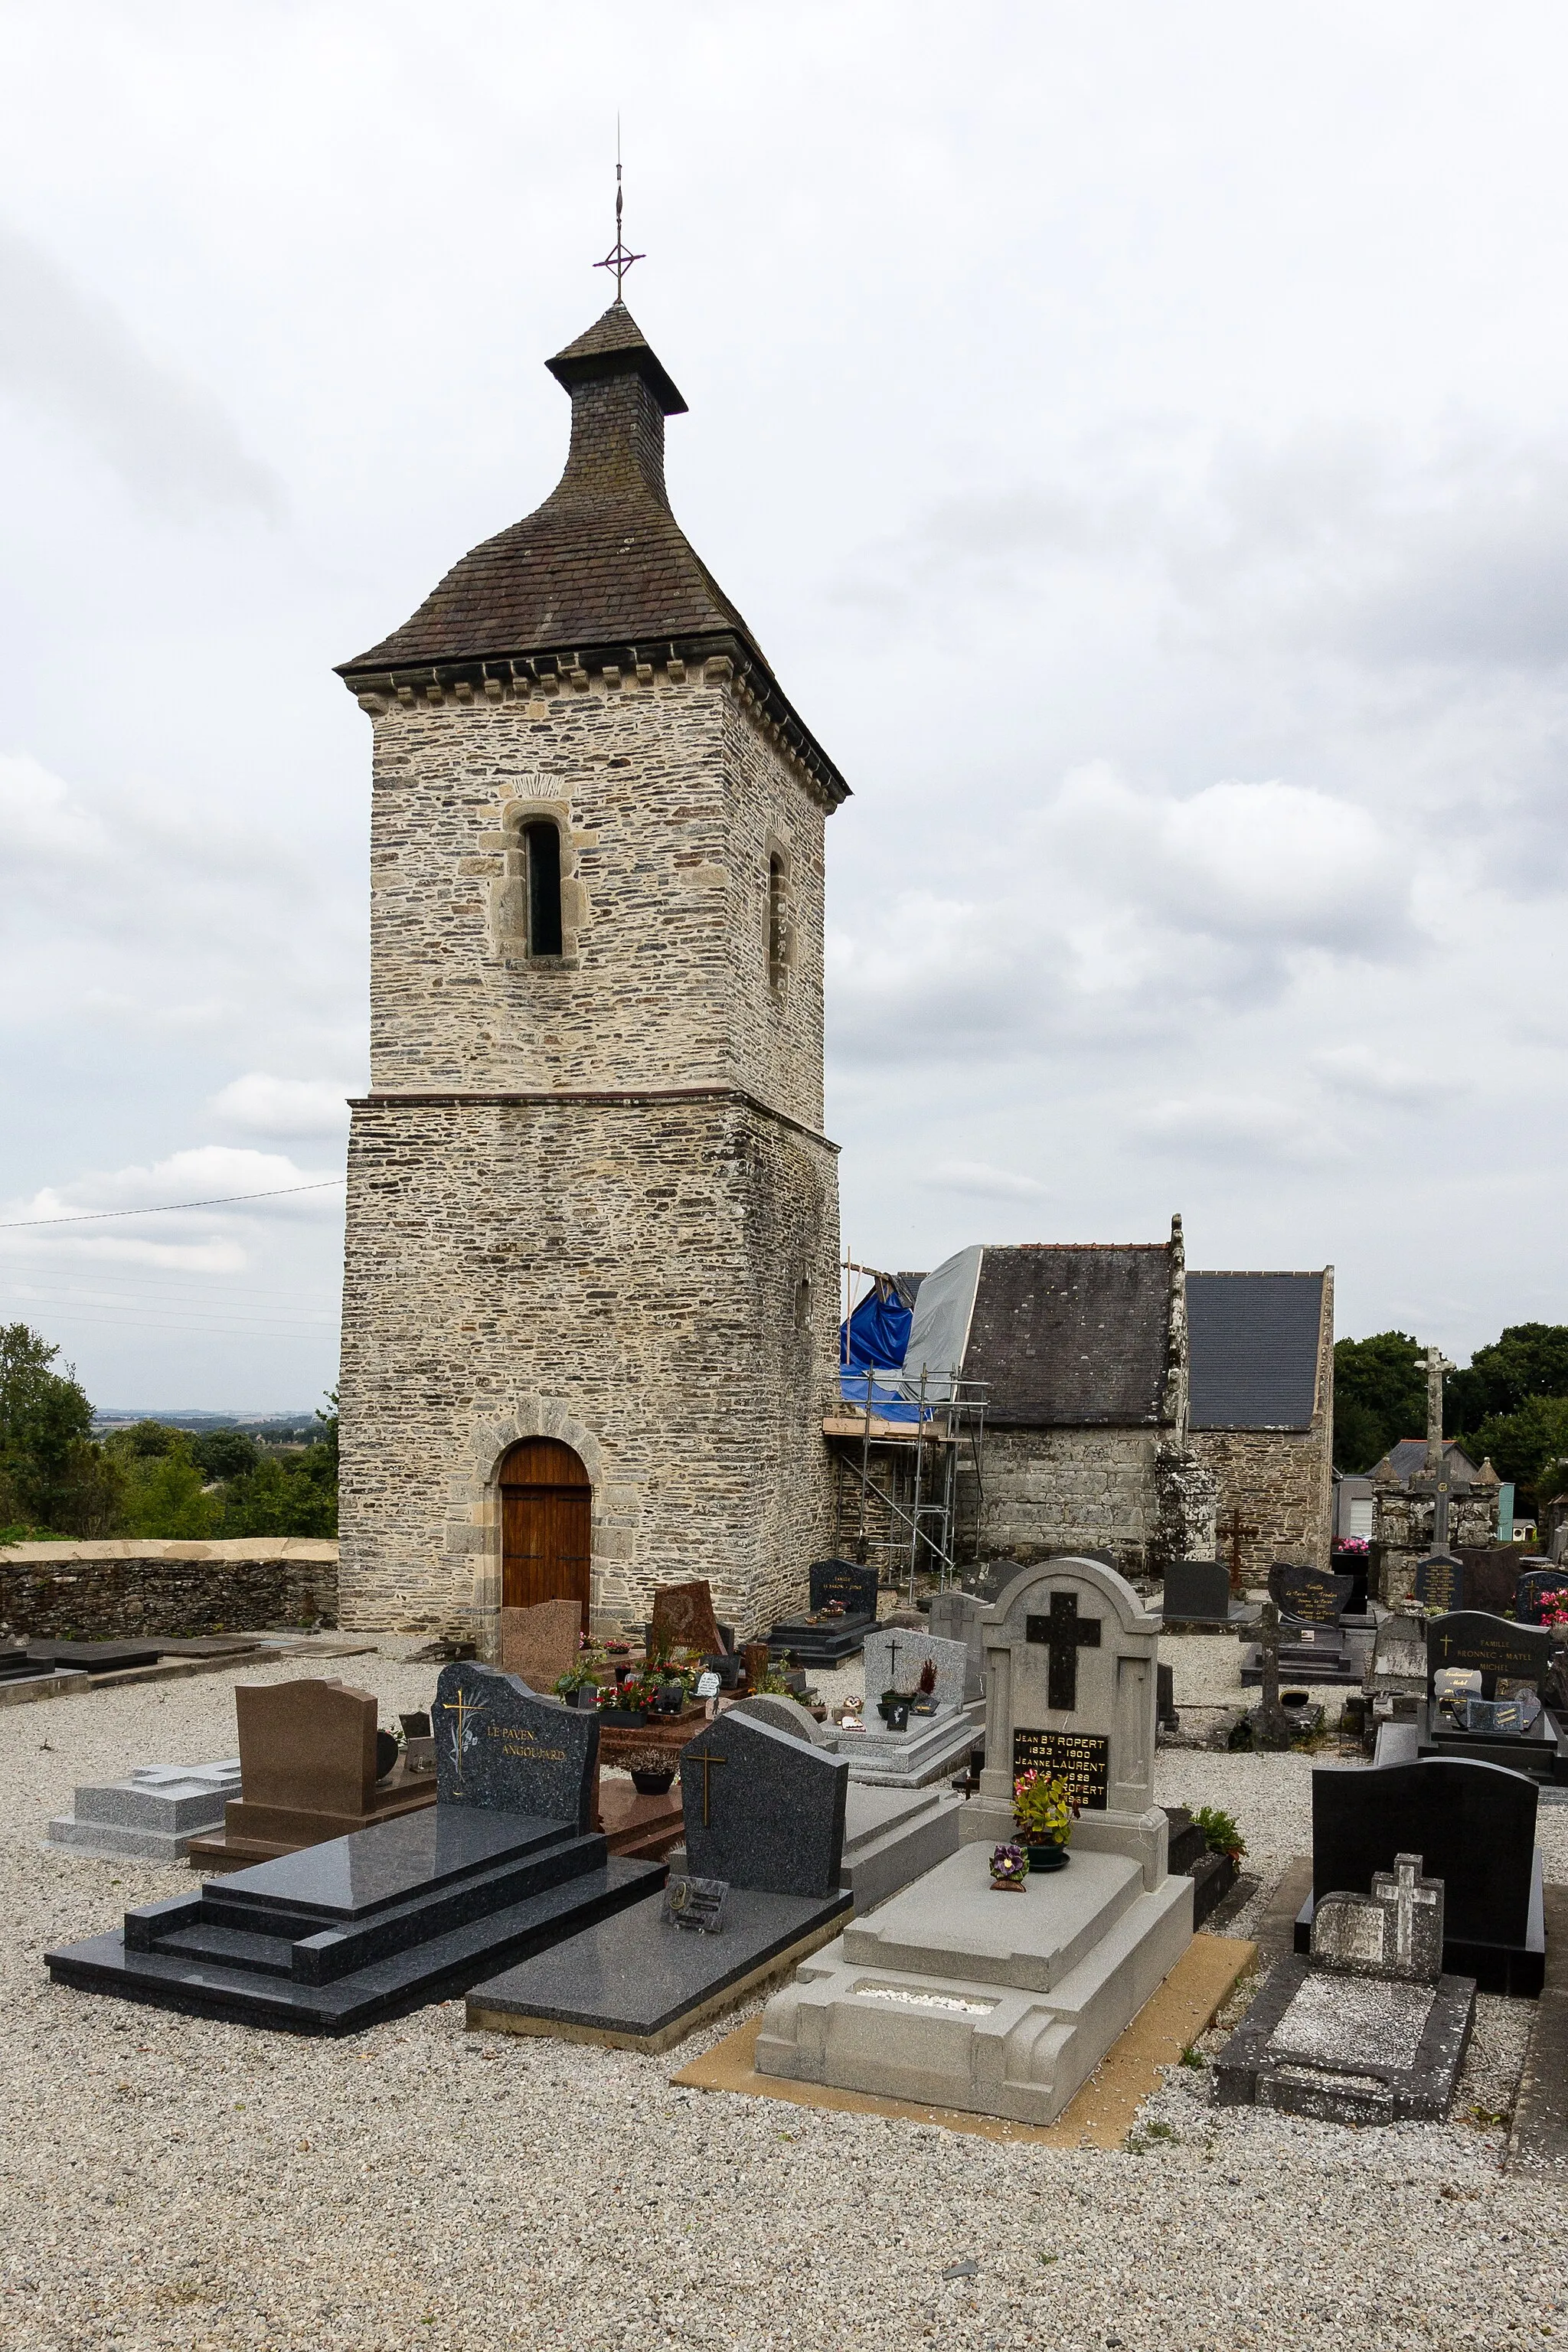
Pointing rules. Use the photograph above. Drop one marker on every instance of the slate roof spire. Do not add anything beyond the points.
(603, 564)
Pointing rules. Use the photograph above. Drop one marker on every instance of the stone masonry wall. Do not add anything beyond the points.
(1280, 1481)
(650, 1277)
(129, 1586)
(1402, 1534)
(1047, 1490)
(653, 1282)
(670, 802)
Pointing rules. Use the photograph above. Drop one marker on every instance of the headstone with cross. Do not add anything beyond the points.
(762, 1808)
(1397, 1931)
(1071, 1690)
(501, 1746)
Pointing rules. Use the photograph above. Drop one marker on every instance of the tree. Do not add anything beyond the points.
(285, 1496)
(52, 1476)
(163, 1496)
(1527, 1447)
(226, 1452)
(1527, 1360)
(1380, 1396)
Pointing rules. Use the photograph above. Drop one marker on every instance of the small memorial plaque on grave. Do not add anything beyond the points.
(696, 1904)
(1439, 1584)
(1081, 1759)
(1513, 1715)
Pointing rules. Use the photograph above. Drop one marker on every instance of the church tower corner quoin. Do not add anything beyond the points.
(593, 1219)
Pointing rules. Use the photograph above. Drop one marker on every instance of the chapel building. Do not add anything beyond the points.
(591, 1268)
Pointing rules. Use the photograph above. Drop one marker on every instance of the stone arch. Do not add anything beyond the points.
(474, 1518)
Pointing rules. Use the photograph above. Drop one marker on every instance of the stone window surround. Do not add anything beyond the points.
(474, 1516)
(778, 968)
(536, 798)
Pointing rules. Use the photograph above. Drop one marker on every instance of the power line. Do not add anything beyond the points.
(171, 1208)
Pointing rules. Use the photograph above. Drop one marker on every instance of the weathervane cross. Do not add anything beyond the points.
(619, 257)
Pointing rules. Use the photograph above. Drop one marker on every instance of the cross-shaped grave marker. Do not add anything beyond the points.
(1064, 1633)
(1402, 1894)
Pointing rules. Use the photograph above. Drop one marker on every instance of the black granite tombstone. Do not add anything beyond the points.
(94, 1657)
(843, 1609)
(1532, 1589)
(1357, 1566)
(1307, 1595)
(1197, 1592)
(1440, 1583)
(1491, 1646)
(1491, 1575)
(1473, 1824)
(501, 1746)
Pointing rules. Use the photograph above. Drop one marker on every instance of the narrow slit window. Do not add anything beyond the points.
(777, 940)
(541, 843)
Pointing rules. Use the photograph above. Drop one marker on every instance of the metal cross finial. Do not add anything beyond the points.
(619, 257)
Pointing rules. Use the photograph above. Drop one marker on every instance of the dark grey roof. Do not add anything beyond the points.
(1253, 1343)
(1071, 1337)
(1409, 1458)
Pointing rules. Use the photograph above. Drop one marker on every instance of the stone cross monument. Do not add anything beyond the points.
(1437, 1467)
(592, 1226)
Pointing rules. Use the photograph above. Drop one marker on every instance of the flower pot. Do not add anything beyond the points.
(1048, 1854)
(624, 1718)
(653, 1784)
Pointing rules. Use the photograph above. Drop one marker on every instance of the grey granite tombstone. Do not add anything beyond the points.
(499, 1746)
(785, 1714)
(896, 1654)
(152, 1816)
(762, 1809)
(955, 1617)
(1394, 1931)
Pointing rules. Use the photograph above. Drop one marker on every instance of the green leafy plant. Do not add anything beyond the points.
(1222, 1832)
(1042, 1808)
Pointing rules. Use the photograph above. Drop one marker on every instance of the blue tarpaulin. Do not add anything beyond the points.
(878, 1332)
(888, 1400)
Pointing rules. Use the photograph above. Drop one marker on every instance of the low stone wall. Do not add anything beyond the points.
(126, 1586)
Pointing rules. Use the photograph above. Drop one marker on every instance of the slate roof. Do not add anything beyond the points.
(601, 570)
(1072, 1336)
(1408, 1459)
(1253, 1347)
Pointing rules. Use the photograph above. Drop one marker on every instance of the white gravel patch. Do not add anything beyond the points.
(173, 2182)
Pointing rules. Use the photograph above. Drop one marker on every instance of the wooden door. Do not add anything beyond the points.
(547, 1517)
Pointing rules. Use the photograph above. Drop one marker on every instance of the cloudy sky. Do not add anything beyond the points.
(1139, 437)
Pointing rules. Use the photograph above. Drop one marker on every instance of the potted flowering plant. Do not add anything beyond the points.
(924, 1701)
(1045, 1814)
(629, 1706)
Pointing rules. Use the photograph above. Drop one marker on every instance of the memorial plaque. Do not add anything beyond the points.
(696, 1904)
(1439, 1584)
(498, 1745)
(1081, 1759)
(844, 1582)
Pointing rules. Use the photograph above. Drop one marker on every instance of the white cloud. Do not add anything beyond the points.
(284, 1106)
(978, 1180)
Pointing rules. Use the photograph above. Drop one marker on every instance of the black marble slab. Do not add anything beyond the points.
(1307, 1595)
(435, 1970)
(94, 1657)
(1540, 1748)
(763, 1809)
(636, 1975)
(1361, 2088)
(1494, 1647)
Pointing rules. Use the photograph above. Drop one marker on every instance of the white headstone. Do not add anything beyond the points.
(895, 1655)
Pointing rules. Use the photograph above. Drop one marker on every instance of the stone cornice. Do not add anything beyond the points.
(598, 1098)
(722, 659)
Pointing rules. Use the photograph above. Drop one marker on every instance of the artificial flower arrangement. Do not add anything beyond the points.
(1043, 1810)
(1009, 1869)
(925, 1697)
(639, 1691)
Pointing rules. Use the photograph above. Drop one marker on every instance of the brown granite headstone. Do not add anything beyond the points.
(537, 1644)
(307, 1772)
(683, 1618)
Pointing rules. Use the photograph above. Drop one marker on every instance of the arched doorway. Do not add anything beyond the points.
(546, 1519)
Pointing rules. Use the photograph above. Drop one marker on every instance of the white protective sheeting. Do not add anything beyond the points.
(939, 1333)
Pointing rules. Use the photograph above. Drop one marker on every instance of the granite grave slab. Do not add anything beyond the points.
(842, 1606)
(895, 1657)
(764, 1815)
(1197, 1592)
(150, 1816)
(1509, 1658)
(360, 1927)
(538, 1645)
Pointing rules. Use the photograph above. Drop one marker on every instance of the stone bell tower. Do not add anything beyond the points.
(591, 1281)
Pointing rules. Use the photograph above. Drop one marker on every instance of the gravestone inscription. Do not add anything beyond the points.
(1491, 1646)
(1081, 1759)
(1439, 1584)
(500, 1746)
(1307, 1595)
(844, 1582)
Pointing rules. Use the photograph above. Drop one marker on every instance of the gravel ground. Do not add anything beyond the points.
(170, 2182)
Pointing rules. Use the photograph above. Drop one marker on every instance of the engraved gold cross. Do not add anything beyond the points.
(706, 1757)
